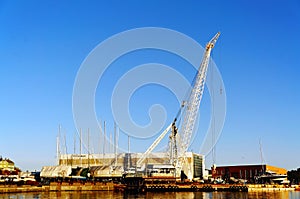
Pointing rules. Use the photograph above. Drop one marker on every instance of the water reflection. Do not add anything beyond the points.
(167, 195)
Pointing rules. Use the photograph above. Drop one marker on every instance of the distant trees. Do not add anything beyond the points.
(294, 176)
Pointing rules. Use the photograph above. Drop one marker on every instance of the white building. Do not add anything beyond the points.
(193, 166)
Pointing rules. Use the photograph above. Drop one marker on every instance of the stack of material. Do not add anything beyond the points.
(56, 171)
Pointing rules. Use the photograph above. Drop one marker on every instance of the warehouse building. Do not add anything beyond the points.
(260, 173)
(117, 164)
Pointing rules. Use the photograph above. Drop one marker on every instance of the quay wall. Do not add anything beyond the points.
(109, 186)
(58, 187)
(20, 189)
(266, 188)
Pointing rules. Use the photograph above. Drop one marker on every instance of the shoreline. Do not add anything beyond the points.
(57, 187)
(109, 186)
(268, 188)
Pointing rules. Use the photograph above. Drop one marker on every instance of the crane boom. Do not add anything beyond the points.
(193, 103)
(153, 145)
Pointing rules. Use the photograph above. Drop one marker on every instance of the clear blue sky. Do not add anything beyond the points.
(42, 46)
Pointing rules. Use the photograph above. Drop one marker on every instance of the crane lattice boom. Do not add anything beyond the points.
(192, 108)
(153, 145)
(193, 103)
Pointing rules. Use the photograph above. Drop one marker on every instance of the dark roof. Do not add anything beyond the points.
(242, 165)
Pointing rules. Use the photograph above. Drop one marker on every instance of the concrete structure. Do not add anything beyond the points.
(193, 167)
(251, 173)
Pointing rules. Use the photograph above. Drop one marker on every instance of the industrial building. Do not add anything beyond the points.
(260, 173)
(102, 165)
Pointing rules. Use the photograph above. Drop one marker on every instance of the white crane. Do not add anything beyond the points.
(159, 139)
(192, 108)
(193, 104)
(153, 145)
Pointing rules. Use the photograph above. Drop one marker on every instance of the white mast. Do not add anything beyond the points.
(129, 159)
(128, 144)
(74, 143)
(104, 140)
(102, 137)
(115, 143)
(66, 151)
(110, 142)
(58, 145)
(80, 146)
(88, 148)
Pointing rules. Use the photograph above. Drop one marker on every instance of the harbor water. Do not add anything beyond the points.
(151, 195)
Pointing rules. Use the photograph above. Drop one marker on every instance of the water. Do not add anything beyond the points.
(166, 195)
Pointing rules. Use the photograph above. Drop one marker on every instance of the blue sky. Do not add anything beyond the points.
(42, 46)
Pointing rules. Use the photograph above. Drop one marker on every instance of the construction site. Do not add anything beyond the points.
(176, 164)
(175, 169)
